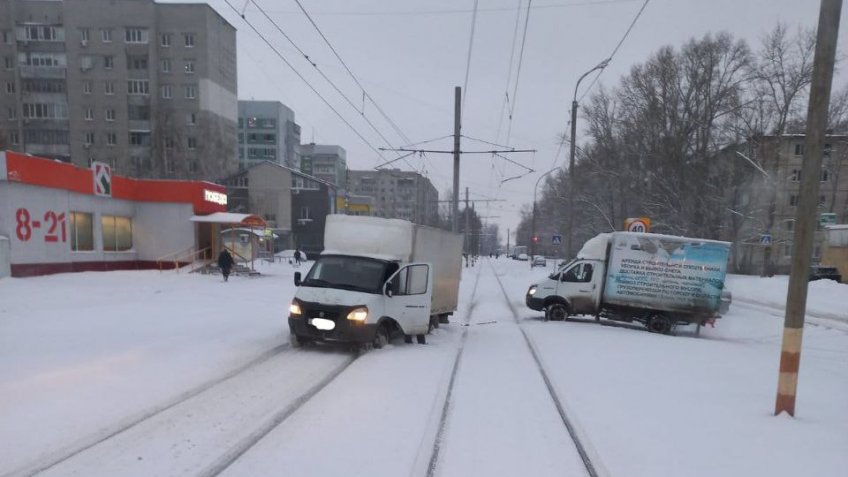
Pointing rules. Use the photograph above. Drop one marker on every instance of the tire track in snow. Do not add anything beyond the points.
(443, 420)
(63, 455)
(592, 463)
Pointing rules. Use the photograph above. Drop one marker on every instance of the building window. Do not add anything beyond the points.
(89, 114)
(86, 87)
(304, 214)
(136, 35)
(170, 143)
(170, 167)
(12, 113)
(822, 201)
(111, 139)
(165, 40)
(84, 36)
(796, 175)
(787, 249)
(790, 225)
(137, 63)
(7, 37)
(10, 87)
(189, 39)
(108, 62)
(9, 62)
(110, 88)
(13, 138)
(166, 65)
(106, 35)
(241, 138)
(138, 87)
(45, 111)
(139, 138)
(110, 114)
(138, 112)
(117, 233)
(166, 91)
(192, 167)
(827, 149)
(192, 143)
(89, 138)
(190, 91)
(793, 200)
(191, 119)
(799, 149)
(825, 175)
(82, 232)
(189, 67)
(41, 33)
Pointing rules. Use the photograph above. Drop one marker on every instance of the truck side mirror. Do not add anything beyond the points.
(388, 289)
(297, 279)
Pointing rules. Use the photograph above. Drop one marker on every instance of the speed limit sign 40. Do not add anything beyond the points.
(637, 224)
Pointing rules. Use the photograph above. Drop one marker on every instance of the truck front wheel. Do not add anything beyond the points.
(381, 338)
(556, 312)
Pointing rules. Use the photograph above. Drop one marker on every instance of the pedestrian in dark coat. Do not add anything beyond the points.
(225, 261)
(298, 257)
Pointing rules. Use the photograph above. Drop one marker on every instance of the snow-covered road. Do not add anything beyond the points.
(141, 373)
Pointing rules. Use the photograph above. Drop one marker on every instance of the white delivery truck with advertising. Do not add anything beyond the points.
(377, 279)
(658, 280)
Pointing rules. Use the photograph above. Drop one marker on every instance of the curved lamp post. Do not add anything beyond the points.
(570, 222)
(533, 235)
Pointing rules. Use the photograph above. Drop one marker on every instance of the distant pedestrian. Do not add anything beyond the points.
(225, 262)
(298, 257)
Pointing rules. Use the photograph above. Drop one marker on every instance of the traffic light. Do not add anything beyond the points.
(535, 239)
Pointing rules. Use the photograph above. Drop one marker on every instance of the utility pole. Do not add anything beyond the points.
(457, 118)
(806, 214)
(467, 218)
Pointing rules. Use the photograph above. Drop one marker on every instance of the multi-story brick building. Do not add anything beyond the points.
(149, 88)
(267, 132)
(398, 194)
(764, 196)
(326, 162)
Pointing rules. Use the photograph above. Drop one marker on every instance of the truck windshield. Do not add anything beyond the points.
(349, 273)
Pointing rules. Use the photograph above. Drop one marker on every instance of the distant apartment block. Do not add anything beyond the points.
(398, 194)
(149, 88)
(267, 132)
(326, 162)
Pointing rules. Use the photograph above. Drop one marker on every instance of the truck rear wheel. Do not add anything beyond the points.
(556, 312)
(422, 339)
(407, 339)
(659, 323)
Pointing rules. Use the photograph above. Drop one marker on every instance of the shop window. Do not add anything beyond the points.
(82, 232)
(117, 233)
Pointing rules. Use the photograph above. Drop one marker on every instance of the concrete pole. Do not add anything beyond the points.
(806, 214)
(456, 129)
(570, 221)
(467, 220)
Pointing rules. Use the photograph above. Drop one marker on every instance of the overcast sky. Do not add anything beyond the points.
(410, 54)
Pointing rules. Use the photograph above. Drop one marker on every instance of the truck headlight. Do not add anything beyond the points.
(532, 290)
(358, 314)
(294, 309)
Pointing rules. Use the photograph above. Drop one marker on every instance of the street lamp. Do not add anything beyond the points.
(533, 235)
(570, 222)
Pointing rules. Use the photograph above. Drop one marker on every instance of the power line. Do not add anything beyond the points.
(615, 50)
(294, 70)
(459, 11)
(467, 62)
(505, 102)
(518, 71)
(355, 79)
(323, 75)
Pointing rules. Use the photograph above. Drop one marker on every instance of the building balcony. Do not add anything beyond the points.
(47, 72)
(48, 150)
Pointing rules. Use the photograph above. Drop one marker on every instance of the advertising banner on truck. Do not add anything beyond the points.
(666, 273)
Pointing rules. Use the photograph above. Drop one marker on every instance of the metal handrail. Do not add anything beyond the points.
(166, 258)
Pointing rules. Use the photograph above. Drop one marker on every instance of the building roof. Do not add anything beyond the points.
(276, 164)
(231, 218)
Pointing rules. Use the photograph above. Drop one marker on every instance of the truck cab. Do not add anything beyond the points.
(358, 299)
(574, 289)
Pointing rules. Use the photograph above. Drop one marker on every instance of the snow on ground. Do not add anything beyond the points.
(82, 353)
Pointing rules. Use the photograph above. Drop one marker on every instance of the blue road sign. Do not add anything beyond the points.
(765, 239)
(556, 239)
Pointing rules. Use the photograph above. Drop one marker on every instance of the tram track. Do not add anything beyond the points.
(589, 458)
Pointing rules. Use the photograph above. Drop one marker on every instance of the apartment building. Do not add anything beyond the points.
(267, 132)
(764, 195)
(326, 162)
(149, 88)
(397, 194)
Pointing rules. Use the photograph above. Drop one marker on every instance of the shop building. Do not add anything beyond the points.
(56, 217)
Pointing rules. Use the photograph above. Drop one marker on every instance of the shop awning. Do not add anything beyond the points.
(230, 218)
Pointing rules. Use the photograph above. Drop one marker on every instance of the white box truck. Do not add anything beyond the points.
(658, 280)
(376, 279)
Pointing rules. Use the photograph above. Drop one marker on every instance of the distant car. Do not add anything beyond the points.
(818, 272)
(523, 257)
(539, 261)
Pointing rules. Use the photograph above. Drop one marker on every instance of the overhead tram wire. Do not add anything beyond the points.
(323, 75)
(467, 63)
(615, 50)
(294, 70)
(518, 71)
(459, 11)
(394, 125)
(505, 102)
